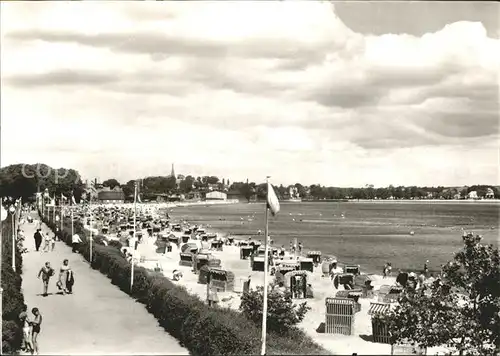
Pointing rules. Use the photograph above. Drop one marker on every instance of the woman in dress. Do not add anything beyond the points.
(35, 324)
(63, 276)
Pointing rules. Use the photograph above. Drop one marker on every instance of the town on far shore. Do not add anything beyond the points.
(175, 188)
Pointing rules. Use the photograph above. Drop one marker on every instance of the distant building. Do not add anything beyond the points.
(490, 194)
(235, 195)
(114, 196)
(472, 195)
(193, 196)
(178, 178)
(162, 198)
(216, 196)
(212, 187)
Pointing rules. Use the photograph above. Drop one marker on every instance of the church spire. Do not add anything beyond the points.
(172, 174)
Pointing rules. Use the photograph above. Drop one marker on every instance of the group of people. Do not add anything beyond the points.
(31, 329)
(49, 241)
(66, 278)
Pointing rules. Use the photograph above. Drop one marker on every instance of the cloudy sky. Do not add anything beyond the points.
(344, 94)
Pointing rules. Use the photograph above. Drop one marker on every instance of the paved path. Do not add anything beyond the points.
(97, 319)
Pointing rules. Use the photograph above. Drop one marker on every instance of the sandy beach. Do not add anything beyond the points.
(360, 342)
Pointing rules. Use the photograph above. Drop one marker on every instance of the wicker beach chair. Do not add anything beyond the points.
(339, 316)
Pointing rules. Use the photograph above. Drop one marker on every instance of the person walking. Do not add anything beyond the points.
(76, 241)
(46, 242)
(36, 324)
(61, 283)
(426, 268)
(27, 344)
(38, 239)
(66, 278)
(70, 281)
(52, 242)
(45, 273)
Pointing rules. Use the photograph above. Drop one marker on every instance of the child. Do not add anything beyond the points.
(46, 242)
(36, 323)
(23, 317)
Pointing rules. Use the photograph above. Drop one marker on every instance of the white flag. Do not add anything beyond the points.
(272, 200)
(137, 192)
(3, 213)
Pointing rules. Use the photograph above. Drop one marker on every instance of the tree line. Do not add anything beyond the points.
(23, 180)
(252, 190)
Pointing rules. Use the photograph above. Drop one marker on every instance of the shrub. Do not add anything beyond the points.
(282, 314)
(461, 309)
(201, 329)
(12, 297)
(116, 244)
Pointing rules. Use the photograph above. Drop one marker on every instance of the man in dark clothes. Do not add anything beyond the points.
(402, 278)
(38, 239)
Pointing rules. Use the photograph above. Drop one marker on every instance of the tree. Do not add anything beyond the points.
(301, 189)
(24, 180)
(282, 314)
(212, 179)
(460, 310)
(262, 191)
(186, 185)
(128, 189)
(111, 183)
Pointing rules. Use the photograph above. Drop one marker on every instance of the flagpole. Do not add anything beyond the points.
(13, 214)
(133, 240)
(1, 255)
(61, 205)
(266, 252)
(90, 228)
(54, 211)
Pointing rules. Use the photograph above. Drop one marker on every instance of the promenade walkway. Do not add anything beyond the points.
(97, 319)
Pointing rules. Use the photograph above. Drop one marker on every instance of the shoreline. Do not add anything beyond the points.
(403, 201)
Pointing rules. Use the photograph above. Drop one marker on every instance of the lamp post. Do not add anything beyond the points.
(3, 216)
(12, 210)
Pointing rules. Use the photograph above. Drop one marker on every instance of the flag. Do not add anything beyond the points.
(137, 192)
(272, 200)
(63, 197)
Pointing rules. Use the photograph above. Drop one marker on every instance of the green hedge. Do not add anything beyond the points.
(12, 298)
(199, 328)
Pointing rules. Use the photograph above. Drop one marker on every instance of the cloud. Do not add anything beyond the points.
(245, 90)
(62, 77)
